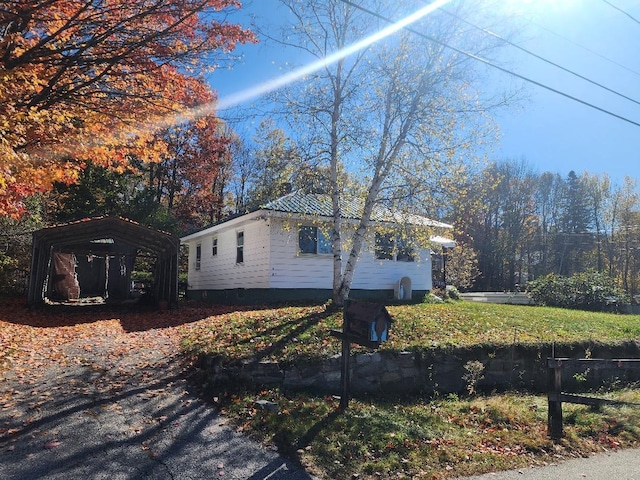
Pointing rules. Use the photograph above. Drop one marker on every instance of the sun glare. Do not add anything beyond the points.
(538, 8)
(281, 81)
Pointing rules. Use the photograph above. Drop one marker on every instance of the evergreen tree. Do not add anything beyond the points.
(275, 161)
(574, 237)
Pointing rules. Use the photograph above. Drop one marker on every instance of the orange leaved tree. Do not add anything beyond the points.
(93, 79)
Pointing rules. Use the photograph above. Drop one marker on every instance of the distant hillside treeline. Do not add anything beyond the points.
(512, 223)
(523, 225)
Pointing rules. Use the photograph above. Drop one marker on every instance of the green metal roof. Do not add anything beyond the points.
(314, 204)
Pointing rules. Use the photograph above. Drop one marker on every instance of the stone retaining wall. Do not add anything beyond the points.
(516, 367)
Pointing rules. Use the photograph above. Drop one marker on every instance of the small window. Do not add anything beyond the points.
(214, 246)
(240, 247)
(313, 240)
(384, 246)
(198, 255)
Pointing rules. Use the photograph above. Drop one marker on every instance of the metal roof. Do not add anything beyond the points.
(320, 205)
(109, 227)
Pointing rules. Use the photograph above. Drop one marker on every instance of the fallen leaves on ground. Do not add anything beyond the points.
(98, 339)
(52, 356)
(34, 337)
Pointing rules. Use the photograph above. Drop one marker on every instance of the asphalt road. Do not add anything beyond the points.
(109, 409)
(619, 465)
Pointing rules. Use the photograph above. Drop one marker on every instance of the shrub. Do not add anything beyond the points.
(452, 292)
(584, 291)
(433, 297)
(438, 295)
(474, 373)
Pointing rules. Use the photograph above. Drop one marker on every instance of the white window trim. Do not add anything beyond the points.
(317, 243)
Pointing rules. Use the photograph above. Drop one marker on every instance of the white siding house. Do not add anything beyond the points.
(279, 252)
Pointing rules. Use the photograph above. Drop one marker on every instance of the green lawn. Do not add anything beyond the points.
(412, 437)
(289, 333)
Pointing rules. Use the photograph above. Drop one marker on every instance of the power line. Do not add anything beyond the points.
(493, 65)
(622, 11)
(529, 52)
(593, 52)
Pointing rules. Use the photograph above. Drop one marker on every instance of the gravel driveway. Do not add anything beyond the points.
(116, 405)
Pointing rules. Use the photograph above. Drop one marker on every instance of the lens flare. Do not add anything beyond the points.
(243, 96)
(292, 77)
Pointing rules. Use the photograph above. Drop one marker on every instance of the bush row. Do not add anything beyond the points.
(584, 291)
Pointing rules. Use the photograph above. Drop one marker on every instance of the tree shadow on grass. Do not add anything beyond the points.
(288, 331)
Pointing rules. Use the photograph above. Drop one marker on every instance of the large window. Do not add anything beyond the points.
(388, 247)
(313, 240)
(404, 251)
(239, 247)
(384, 246)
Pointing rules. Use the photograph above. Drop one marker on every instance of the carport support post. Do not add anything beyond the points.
(345, 375)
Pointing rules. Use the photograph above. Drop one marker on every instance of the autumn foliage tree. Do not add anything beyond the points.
(201, 171)
(181, 191)
(92, 79)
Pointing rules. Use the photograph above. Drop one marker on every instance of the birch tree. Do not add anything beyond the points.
(397, 113)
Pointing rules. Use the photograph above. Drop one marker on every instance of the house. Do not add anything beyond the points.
(282, 252)
(94, 258)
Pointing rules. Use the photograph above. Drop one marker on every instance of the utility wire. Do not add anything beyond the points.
(502, 39)
(622, 11)
(491, 64)
(593, 52)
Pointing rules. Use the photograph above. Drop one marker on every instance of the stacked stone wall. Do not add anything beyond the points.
(443, 370)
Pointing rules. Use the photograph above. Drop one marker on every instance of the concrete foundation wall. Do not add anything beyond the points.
(259, 296)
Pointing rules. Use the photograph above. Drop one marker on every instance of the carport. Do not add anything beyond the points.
(95, 257)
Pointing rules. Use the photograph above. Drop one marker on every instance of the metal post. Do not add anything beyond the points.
(444, 267)
(554, 401)
(345, 379)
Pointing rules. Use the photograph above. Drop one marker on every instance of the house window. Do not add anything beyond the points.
(384, 246)
(388, 247)
(404, 251)
(239, 247)
(214, 246)
(313, 240)
(198, 255)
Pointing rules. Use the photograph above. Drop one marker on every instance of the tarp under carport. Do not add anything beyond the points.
(95, 256)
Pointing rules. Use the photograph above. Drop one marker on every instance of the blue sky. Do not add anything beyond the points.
(549, 131)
